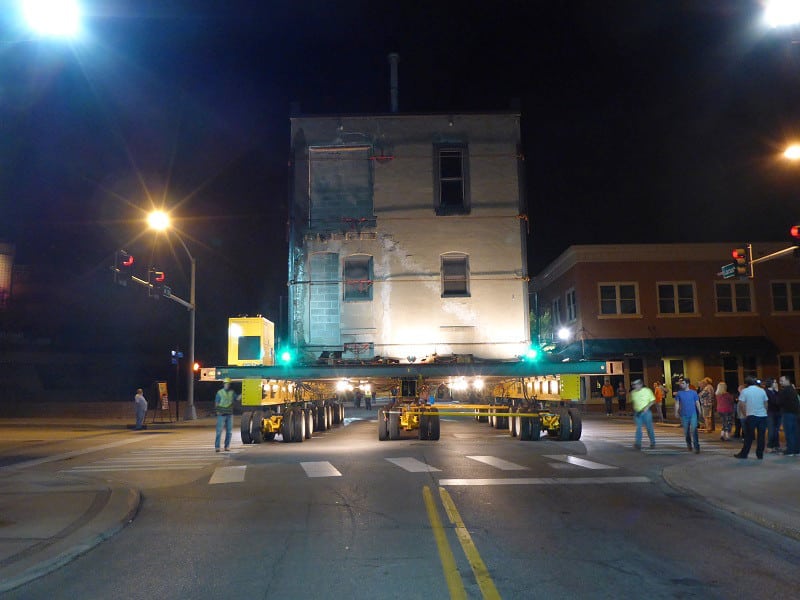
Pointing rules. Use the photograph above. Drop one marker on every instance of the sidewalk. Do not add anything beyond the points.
(46, 521)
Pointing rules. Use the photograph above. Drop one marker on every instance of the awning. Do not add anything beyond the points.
(706, 346)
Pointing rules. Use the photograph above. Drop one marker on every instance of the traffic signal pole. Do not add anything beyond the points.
(191, 412)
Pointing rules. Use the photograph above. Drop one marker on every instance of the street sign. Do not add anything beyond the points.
(729, 271)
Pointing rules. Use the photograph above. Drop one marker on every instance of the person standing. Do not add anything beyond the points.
(607, 391)
(773, 417)
(790, 408)
(622, 398)
(140, 406)
(223, 404)
(658, 394)
(687, 407)
(725, 410)
(754, 399)
(642, 399)
(707, 398)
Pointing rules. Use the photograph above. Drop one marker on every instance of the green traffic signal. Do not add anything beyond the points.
(533, 353)
(286, 356)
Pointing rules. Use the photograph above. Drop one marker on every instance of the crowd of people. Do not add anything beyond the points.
(757, 412)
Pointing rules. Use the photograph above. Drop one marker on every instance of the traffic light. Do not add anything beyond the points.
(533, 353)
(795, 231)
(156, 280)
(742, 258)
(286, 356)
(123, 267)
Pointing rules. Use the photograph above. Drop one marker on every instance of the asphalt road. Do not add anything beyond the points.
(346, 516)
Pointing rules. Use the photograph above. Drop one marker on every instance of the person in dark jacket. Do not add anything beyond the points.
(773, 416)
(790, 408)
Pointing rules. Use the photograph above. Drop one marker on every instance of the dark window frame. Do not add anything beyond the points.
(449, 280)
(444, 182)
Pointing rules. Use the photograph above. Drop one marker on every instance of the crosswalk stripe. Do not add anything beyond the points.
(320, 469)
(412, 465)
(499, 463)
(228, 475)
(578, 462)
(544, 481)
(102, 469)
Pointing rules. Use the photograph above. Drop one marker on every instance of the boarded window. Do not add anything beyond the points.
(340, 186)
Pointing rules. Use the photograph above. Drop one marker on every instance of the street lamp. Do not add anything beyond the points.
(160, 221)
(564, 334)
(52, 18)
(792, 152)
(782, 13)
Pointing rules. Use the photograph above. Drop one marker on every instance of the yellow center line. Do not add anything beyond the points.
(451, 574)
(482, 576)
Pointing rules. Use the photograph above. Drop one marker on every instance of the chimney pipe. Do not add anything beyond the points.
(393, 59)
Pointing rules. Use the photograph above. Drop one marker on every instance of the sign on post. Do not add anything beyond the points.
(729, 271)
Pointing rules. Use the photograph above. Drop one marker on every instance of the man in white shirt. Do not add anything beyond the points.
(755, 408)
(140, 405)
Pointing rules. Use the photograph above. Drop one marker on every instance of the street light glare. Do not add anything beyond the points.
(158, 220)
(792, 152)
(563, 333)
(52, 18)
(782, 13)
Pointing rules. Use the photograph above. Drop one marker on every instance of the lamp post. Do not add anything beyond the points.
(52, 18)
(160, 221)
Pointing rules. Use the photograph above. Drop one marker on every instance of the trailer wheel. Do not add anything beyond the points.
(491, 418)
(309, 423)
(525, 429)
(256, 427)
(435, 429)
(336, 414)
(513, 426)
(287, 426)
(536, 429)
(244, 425)
(577, 425)
(299, 425)
(341, 413)
(502, 422)
(383, 426)
(424, 424)
(564, 425)
(482, 416)
(320, 426)
(394, 426)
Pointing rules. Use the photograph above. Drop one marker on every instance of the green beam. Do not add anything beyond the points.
(499, 369)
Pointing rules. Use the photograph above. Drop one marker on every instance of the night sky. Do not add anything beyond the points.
(643, 121)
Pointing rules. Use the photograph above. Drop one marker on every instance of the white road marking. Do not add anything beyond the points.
(228, 475)
(100, 468)
(545, 481)
(412, 465)
(73, 453)
(499, 463)
(579, 462)
(320, 469)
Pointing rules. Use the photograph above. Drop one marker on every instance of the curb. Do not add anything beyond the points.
(132, 499)
(737, 510)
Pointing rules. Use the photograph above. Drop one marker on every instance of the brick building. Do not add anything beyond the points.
(408, 236)
(663, 310)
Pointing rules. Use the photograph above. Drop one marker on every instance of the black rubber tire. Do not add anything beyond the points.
(577, 425)
(513, 426)
(564, 425)
(341, 414)
(482, 416)
(492, 419)
(394, 426)
(299, 425)
(337, 415)
(255, 428)
(424, 427)
(435, 427)
(383, 426)
(502, 422)
(287, 426)
(525, 429)
(244, 426)
(309, 423)
(328, 417)
(536, 429)
(320, 425)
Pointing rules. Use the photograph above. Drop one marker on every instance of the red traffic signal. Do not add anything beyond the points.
(741, 258)
(795, 231)
(739, 254)
(160, 277)
(156, 280)
(123, 267)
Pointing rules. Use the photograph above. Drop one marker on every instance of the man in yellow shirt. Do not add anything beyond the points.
(642, 399)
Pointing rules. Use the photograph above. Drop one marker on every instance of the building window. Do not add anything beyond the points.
(340, 187)
(734, 297)
(455, 275)
(451, 179)
(358, 278)
(676, 298)
(636, 369)
(788, 366)
(619, 299)
(557, 312)
(572, 306)
(786, 296)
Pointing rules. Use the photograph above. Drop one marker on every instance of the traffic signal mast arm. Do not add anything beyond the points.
(172, 297)
(777, 254)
